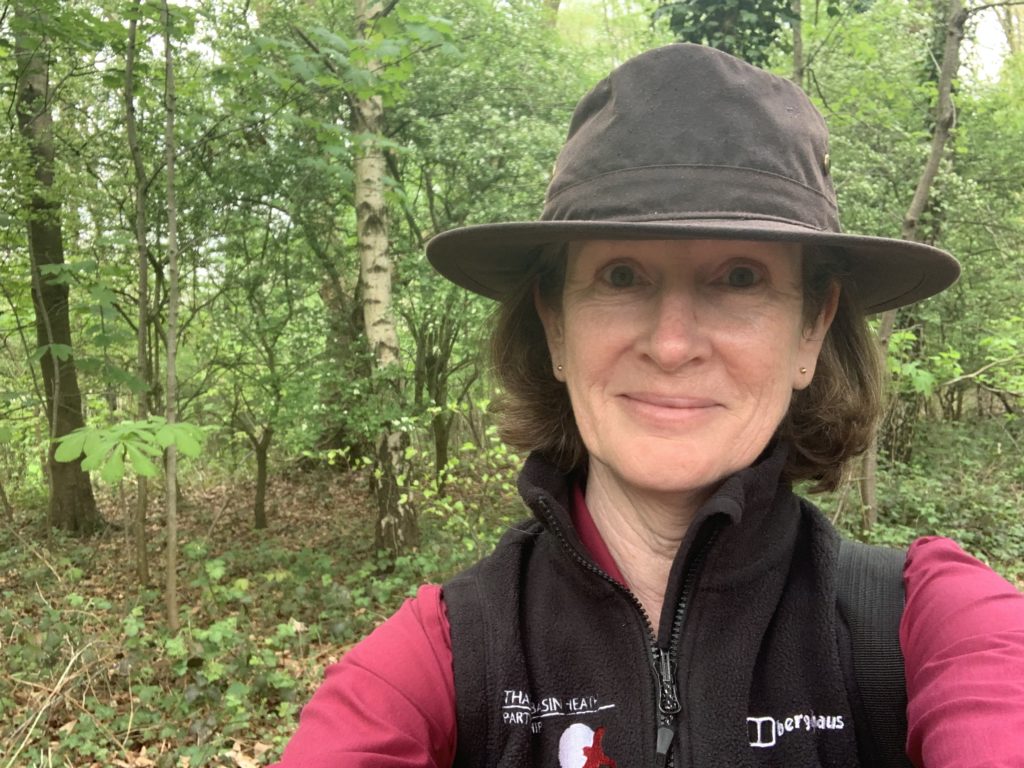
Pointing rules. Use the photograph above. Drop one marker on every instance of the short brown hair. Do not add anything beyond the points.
(827, 424)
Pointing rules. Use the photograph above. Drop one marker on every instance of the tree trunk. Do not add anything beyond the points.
(1011, 18)
(142, 360)
(5, 503)
(342, 347)
(72, 505)
(262, 449)
(869, 485)
(397, 528)
(798, 42)
(171, 485)
(441, 425)
(944, 117)
(551, 6)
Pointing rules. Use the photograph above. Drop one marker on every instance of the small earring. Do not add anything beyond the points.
(802, 369)
(559, 368)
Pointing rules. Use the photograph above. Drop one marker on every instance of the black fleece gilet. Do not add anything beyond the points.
(556, 663)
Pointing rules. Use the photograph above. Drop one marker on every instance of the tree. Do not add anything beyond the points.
(944, 115)
(442, 378)
(267, 349)
(1011, 17)
(72, 506)
(745, 28)
(796, 9)
(298, 158)
(397, 528)
(141, 189)
(171, 459)
(445, 176)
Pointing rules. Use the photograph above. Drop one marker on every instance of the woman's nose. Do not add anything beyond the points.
(675, 335)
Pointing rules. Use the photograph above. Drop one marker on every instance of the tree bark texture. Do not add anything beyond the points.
(72, 506)
(397, 528)
(171, 463)
(142, 367)
(261, 447)
(944, 120)
(372, 228)
(5, 503)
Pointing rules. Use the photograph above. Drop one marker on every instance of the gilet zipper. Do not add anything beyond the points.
(662, 660)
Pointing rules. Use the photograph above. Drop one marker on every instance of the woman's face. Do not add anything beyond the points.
(680, 356)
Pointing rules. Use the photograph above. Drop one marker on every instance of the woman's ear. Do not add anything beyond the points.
(829, 307)
(814, 337)
(554, 332)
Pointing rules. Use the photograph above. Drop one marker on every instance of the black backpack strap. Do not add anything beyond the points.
(869, 595)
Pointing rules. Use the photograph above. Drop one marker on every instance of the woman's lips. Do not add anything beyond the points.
(669, 412)
(673, 402)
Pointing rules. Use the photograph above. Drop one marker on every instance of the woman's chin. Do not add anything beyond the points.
(666, 473)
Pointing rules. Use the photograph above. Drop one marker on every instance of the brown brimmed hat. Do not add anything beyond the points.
(687, 142)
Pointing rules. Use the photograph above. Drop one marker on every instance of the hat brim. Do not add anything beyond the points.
(492, 259)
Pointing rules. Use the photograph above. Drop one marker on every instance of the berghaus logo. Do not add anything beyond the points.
(766, 731)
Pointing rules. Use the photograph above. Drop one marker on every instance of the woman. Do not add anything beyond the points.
(681, 336)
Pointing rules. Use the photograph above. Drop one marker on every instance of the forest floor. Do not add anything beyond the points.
(91, 676)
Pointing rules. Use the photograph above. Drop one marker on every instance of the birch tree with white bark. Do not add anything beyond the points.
(397, 529)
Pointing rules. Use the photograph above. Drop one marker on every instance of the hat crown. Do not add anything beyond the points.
(689, 132)
(687, 142)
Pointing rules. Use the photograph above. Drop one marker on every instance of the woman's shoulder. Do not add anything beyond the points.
(962, 636)
(952, 597)
(941, 579)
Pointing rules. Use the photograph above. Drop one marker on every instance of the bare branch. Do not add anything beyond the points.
(986, 6)
(977, 373)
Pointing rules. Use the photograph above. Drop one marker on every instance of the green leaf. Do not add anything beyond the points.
(165, 436)
(94, 443)
(187, 444)
(113, 468)
(215, 569)
(175, 647)
(70, 446)
(103, 295)
(140, 462)
(60, 351)
(93, 460)
(147, 445)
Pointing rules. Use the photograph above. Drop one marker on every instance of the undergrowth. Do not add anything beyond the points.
(964, 481)
(93, 678)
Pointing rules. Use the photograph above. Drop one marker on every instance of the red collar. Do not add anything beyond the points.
(590, 536)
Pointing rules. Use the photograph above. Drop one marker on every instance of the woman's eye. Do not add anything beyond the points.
(742, 277)
(620, 276)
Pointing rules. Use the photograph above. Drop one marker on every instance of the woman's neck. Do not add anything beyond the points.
(642, 531)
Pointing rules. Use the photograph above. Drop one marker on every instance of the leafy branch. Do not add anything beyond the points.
(134, 444)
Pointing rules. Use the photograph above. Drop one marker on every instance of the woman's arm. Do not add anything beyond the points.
(963, 642)
(390, 702)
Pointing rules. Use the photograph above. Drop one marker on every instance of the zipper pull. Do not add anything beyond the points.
(668, 704)
(665, 736)
(668, 696)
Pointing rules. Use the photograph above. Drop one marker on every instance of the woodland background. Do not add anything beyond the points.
(241, 419)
